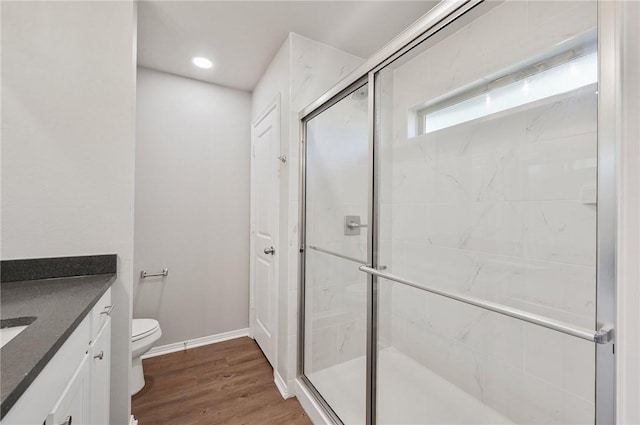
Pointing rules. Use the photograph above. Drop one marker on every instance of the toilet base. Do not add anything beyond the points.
(137, 375)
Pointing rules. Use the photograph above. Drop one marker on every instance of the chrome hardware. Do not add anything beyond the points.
(108, 309)
(355, 225)
(602, 336)
(99, 356)
(67, 421)
(144, 274)
(271, 250)
(352, 225)
(283, 158)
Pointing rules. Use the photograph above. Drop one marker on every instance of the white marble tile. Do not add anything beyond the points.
(577, 411)
(310, 75)
(497, 227)
(499, 337)
(552, 313)
(562, 231)
(460, 61)
(496, 162)
(407, 302)
(409, 222)
(455, 362)
(414, 171)
(394, 257)
(456, 164)
(450, 224)
(562, 291)
(521, 397)
(385, 233)
(352, 340)
(542, 25)
(450, 269)
(569, 115)
(323, 352)
(564, 287)
(506, 18)
(559, 169)
(454, 320)
(551, 22)
(294, 226)
(398, 328)
(564, 361)
(491, 227)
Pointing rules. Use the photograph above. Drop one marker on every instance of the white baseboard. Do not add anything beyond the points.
(281, 384)
(133, 421)
(311, 407)
(197, 342)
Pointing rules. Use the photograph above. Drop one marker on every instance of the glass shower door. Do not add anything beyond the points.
(487, 134)
(336, 244)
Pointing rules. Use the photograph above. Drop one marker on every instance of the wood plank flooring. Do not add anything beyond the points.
(226, 383)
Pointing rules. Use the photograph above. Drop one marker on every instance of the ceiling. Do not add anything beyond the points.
(241, 37)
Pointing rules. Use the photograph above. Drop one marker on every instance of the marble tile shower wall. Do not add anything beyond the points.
(497, 208)
(337, 174)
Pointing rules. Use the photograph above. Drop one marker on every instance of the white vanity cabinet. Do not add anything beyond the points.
(100, 358)
(74, 386)
(74, 403)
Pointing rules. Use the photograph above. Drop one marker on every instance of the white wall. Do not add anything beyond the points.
(628, 249)
(302, 70)
(68, 80)
(192, 205)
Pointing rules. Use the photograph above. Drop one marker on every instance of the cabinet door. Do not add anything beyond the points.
(100, 375)
(73, 405)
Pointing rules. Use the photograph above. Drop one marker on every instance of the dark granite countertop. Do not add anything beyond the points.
(59, 305)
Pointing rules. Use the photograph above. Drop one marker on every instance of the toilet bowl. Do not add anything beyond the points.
(144, 334)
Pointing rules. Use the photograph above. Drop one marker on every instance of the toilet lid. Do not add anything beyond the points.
(143, 327)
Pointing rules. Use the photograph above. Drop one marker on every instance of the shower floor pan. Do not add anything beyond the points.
(412, 394)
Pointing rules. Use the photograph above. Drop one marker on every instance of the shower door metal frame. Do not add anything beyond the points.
(302, 219)
(444, 14)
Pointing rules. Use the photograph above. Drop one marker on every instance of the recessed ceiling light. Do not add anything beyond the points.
(201, 62)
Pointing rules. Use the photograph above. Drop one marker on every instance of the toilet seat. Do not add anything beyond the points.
(141, 328)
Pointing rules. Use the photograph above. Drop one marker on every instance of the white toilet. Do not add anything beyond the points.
(144, 333)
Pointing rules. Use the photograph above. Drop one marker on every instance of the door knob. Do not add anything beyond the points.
(271, 250)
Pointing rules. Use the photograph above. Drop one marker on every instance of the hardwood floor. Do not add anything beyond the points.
(226, 383)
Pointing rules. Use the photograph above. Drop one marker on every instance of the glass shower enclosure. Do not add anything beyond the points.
(457, 224)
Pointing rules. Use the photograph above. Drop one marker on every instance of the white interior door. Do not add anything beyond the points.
(265, 168)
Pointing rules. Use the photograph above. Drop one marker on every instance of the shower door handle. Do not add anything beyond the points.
(355, 225)
(352, 225)
(271, 250)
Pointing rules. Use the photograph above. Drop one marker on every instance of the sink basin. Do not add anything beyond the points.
(10, 328)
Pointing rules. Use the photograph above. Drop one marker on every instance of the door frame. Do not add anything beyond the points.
(274, 104)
